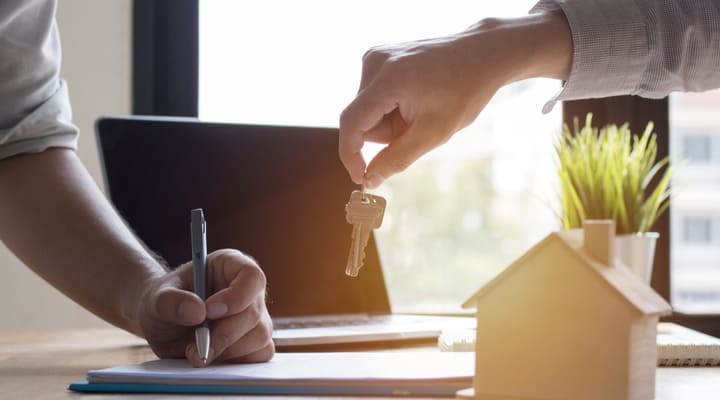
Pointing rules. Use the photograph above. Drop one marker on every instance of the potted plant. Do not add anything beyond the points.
(608, 173)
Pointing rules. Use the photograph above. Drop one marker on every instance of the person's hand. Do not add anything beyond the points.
(414, 96)
(240, 326)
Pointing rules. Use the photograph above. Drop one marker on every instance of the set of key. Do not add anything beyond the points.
(365, 212)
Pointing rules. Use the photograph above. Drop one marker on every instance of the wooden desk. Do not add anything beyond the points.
(40, 365)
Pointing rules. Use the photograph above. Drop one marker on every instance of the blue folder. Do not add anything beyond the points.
(349, 390)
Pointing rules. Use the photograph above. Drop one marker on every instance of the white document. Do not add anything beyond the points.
(343, 366)
(409, 372)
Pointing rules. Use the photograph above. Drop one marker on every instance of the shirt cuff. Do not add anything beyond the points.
(49, 125)
(610, 48)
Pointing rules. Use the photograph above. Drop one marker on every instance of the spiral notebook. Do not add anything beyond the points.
(678, 346)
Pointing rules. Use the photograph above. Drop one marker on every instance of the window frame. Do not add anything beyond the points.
(165, 82)
(165, 44)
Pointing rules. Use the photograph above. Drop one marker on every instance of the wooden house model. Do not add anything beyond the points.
(567, 321)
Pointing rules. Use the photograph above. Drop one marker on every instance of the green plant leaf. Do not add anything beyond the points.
(608, 172)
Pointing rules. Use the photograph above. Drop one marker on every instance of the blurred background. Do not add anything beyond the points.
(456, 217)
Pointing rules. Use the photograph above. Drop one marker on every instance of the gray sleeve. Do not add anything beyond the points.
(35, 111)
(647, 48)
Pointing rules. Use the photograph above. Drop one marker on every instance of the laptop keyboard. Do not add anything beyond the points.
(325, 321)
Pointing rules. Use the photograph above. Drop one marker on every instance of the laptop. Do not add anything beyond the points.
(277, 193)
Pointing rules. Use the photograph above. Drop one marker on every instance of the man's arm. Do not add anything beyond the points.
(647, 48)
(415, 96)
(56, 220)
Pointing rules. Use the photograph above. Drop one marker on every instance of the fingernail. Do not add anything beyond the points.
(185, 311)
(191, 354)
(216, 310)
(374, 180)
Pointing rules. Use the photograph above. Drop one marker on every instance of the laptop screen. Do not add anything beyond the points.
(277, 193)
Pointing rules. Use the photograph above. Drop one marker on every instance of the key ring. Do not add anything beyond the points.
(362, 189)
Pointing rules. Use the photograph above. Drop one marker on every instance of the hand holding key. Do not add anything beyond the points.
(365, 212)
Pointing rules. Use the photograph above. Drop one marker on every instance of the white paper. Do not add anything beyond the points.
(416, 367)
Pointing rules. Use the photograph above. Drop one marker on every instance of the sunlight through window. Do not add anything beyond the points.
(460, 214)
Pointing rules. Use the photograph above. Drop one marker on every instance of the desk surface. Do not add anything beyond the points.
(40, 365)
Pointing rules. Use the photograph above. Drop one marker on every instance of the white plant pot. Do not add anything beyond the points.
(637, 251)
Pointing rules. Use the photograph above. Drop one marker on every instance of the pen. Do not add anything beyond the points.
(199, 258)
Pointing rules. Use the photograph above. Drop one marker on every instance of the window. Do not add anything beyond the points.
(696, 148)
(697, 230)
(459, 215)
(695, 208)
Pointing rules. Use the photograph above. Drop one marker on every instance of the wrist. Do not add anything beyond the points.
(132, 300)
(532, 46)
(547, 43)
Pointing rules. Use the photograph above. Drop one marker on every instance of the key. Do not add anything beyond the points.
(365, 212)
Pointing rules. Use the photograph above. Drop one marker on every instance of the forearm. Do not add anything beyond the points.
(56, 220)
(533, 46)
(507, 50)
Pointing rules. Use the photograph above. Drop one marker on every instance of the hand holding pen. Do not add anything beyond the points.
(239, 325)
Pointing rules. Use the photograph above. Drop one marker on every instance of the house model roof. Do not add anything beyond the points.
(619, 278)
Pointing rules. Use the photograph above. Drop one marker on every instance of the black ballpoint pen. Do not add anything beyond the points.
(199, 258)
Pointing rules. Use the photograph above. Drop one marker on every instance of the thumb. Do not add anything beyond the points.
(173, 305)
(419, 138)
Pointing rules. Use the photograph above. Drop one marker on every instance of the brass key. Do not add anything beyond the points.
(365, 212)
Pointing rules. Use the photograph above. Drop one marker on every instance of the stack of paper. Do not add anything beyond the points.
(342, 373)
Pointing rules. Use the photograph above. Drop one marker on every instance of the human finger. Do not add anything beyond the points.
(264, 354)
(237, 283)
(173, 305)
(392, 126)
(252, 346)
(235, 337)
(419, 138)
(363, 114)
(261, 355)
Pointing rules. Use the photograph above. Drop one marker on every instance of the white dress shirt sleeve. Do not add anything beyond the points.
(35, 109)
(647, 48)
